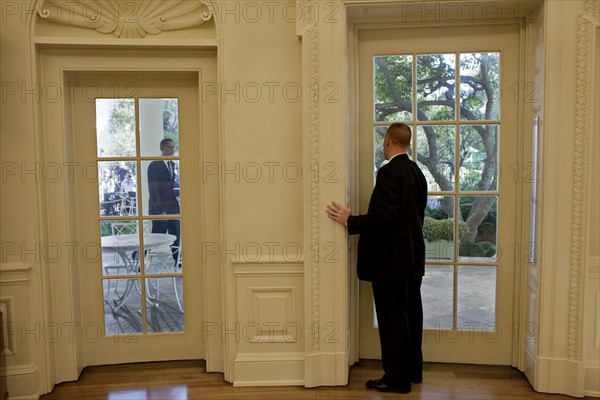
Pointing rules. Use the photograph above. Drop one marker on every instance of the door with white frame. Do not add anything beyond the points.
(455, 87)
(138, 136)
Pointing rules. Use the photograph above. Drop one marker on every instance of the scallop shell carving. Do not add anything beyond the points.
(127, 19)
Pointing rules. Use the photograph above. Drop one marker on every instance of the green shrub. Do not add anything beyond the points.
(436, 213)
(442, 229)
(477, 249)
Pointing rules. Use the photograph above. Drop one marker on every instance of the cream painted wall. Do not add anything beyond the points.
(18, 209)
(262, 185)
(259, 86)
(262, 130)
(21, 250)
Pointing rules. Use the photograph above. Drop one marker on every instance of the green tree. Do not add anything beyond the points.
(118, 139)
(436, 101)
(171, 120)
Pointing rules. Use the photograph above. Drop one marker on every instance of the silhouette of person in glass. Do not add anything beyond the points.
(163, 200)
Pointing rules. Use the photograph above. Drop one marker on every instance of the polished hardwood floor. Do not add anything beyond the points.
(188, 380)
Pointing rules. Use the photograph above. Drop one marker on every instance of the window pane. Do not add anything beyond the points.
(162, 241)
(122, 306)
(159, 119)
(478, 157)
(438, 228)
(479, 86)
(437, 293)
(435, 147)
(378, 157)
(164, 312)
(128, 187)
(436, 83)
(476, 296)
(120, 247)
(115, 127)
(161, 187)
(478, 241)
(117, 187)
(393, 88)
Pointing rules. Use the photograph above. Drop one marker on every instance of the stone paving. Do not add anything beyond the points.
(476, 297)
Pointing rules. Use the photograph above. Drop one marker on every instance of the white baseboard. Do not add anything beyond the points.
(327, 369)
(269, 369)
(21, 381)
(560, 376)
(529, 366)
(592, 380)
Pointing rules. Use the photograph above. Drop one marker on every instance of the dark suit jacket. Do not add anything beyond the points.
(391, 245)
(160, 187)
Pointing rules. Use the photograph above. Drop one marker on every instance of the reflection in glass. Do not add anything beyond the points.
(436, 156)
(476, 297)
(478, 157)
(117, 187)
(436, 82)
(438, 228)
(480, 216)
(122, 306)
(479, 86)
(393, 88)
(164, 312)
(115, 127)
(159, 119)
(437, 292)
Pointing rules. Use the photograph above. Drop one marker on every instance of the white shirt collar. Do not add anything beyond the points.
(391, 158)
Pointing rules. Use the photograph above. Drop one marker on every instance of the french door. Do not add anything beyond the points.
(137, 135)
(455, 88)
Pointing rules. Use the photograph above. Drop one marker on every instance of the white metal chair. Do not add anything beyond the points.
(123, 227)
(162, 262)
(116, 263)
(129, 205)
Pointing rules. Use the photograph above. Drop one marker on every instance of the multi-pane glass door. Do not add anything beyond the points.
(451, 102)
(454, 86)
(139, 214)
(138, 137)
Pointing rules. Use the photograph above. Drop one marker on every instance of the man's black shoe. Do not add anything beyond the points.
(380, 386)
(416, 379)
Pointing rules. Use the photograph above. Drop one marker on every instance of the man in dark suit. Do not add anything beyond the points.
(163, 200)
(391, 255)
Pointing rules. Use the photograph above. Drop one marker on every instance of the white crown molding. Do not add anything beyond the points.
(126, 19)
(586, 27)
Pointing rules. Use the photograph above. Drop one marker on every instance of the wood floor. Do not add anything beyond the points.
(187, 380)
